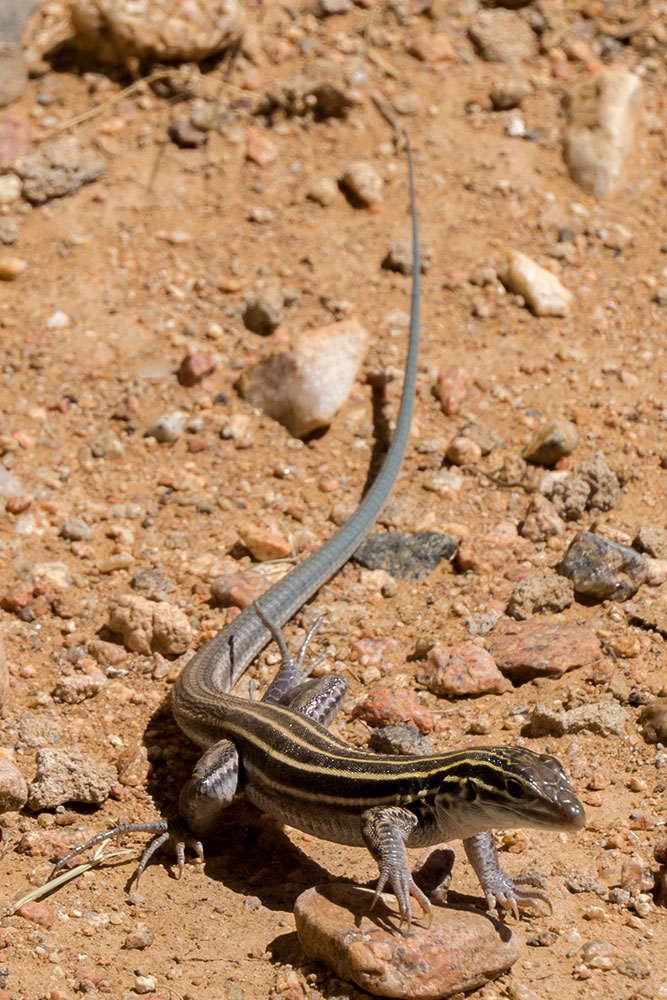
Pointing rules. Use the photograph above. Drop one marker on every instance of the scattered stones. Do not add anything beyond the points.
(432, 47)
(652, 539)
(451, 388)
(604, 718)
(653, 720)
(239, 428)
(264, 311)
(463, 451)
(502, 36)
(461, 669)
(401, 738)
(384, 706)
(259, 148)
(76, 530)
(195, 367)
(106, 444)
(69, 776)
(551, 442)
(149, 626)
(265, 541)
(399, 258)
(510, 93)
(405, 557)
(38, 912)
(542, 520)
(169, 427)
(185, 135)
(116, 31)
(58, 168)
(461, 950)
(12, 268)
(362, 184)
(152, 584)
(305, 386)
(537, 649)
(324, 191)
(539, 594)
(139, 938)
(237, 590)
(488, 553)
(603, 569)
(481, 435)
(76, 688)
(543, 292)
(602, 113)
(13, 789)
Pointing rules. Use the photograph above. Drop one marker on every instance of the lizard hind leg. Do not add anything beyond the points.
(292, 672)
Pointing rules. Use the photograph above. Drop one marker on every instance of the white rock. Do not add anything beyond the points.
(541, 289)
(10, 189)
(602, 113)
(304, 386)
(363, 183)
(58, 320)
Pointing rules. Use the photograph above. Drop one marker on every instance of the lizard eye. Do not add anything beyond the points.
(515, 789)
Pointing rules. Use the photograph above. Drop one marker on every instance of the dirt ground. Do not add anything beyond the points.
(153, 261)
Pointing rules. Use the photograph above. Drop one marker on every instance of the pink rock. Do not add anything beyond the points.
(489, 553)
(14, 135)
(384, 706)
(542, 520)
(451, 387)
(260, 149)
(149, 626)
(461, 950)
(194, 367)
(461, 669)
(433, 48)
(266, 541)
(536, 649)
(237, 590)
(373, 652)
(42, 914)
(463, 451)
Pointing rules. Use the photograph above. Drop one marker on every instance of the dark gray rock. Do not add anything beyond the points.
(406, 557)
(153, 584)
(603, 569)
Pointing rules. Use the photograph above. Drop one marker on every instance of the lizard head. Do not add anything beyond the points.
(512, 787)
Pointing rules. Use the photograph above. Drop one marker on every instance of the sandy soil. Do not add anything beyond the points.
(139, 296)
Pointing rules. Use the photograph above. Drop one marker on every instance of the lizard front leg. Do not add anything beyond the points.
(385, 830)
(499, 888)
(211, 788)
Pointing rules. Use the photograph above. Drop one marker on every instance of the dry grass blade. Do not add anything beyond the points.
(48, 887)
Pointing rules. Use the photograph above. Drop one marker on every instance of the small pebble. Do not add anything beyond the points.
(363, 184)
(11, 268)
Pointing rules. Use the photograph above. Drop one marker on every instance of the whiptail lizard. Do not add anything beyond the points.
(278, 752)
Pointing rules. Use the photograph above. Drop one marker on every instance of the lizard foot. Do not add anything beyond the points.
(506, 893)
(164, 830)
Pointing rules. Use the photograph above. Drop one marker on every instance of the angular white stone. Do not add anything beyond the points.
(304, 387)
(541, 289)
(602, 113)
